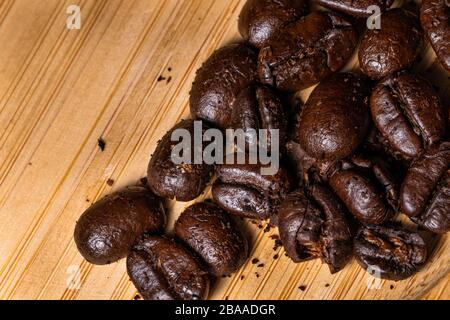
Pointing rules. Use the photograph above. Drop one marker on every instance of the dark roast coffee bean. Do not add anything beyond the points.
(262, 19)
(162, 269)
(256, 108)
(408, 114)
(336, 118)
(307, 51)
(435, 18)
(183, 182)
(219, 81)
(393, 47)
(244, 191)
(107, 230)
(367, 187)
(315, 227)
(389, 252)
(425, 193)
(354, 8)
(214, 236)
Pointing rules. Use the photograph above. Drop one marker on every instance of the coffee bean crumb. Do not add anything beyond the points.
(137, 297)
(261, 265)
(169, 79)
(392, 287)
(87, 200)
(161, 78)
(275, 257)
(101, 144)
(169, 69)
(30, 163)
(242, 278)
(255, 261)
(302, 288)
(267, 228)
(327, 285)
(274, 237)
(257, 275)
(110, 182)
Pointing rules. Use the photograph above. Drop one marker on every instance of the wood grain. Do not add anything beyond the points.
(61, 90)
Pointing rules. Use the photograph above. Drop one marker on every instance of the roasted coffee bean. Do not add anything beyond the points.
(307, 51)
(392, 48)
(435, 18)
(244, 191)
(389, 252)
(336, 117)
(214, 236)
(408, 114)
(259, 107)
(425, 193)
(185, 181)
(107, 230)
(260, 20)
(367, 187)
(162, 269)
(315, 226)
(358, 8)
(219, 81)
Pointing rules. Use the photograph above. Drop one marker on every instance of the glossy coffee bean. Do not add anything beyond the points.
(107, 230)
(219, 81)
(162, 269)
(244, 191)
(307, 51)
(425, 192)
(315, 226)
(408, 114)
(435, 18)
(183, 182)
(392, 48)
(260, 20)
(336, 117)
(214, 236)
(388, 252)
(354, 8)
(367, 187)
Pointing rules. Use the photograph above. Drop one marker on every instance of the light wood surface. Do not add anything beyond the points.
(61, 90)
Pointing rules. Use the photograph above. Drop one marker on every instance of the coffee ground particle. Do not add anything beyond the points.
(242, 278)
(275, 257)
(303, 288)
(267, 228)
(392, 287)
(261, 265)
(137, 297)
(110, 182)
(255, 261)
(257, 274)
(169, 79)
(161, 78)
(101, 144)
(327, 285)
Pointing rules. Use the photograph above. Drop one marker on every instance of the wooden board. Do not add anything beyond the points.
(61, 89)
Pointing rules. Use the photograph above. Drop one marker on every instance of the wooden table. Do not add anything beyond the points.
(61, 90)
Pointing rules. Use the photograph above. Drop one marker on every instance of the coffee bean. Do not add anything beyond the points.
(214, 236)
(392, 48)
(307, 51)
(162, 269)
(183, 182)
(388, 252)
(107, 230)
(435, 18)
(408, 114)
(260, 20)
(355, 8)
(425, 192)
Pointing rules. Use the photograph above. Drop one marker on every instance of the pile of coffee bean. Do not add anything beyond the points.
(364, 147)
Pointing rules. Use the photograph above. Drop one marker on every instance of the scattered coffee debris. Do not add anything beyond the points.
(302, 288)
(255, 261)
(87, 200)
(267, 228)
(137, 297)
(169, 79)
(30, 163)
(101, 144)
(327, 285)
(261, 265)
(392, 287)
(275, 257)
(161, 78)
(110, 182)
(169, 69)
(274, 237)
(242, 278)
(257, 274)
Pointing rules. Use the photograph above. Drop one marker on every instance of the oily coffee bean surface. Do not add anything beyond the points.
(425, 193)
(389, 252)
(358, 8)
(435, 18)
(214, 236)
(408, 114)
(392, 48)
(219, 81)
(106, 231)
(367, 187)
(336, 117)
(162, 269)
(260, 20)
(307, 51)
(244, 191)
(183, 182)
(315, 227)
